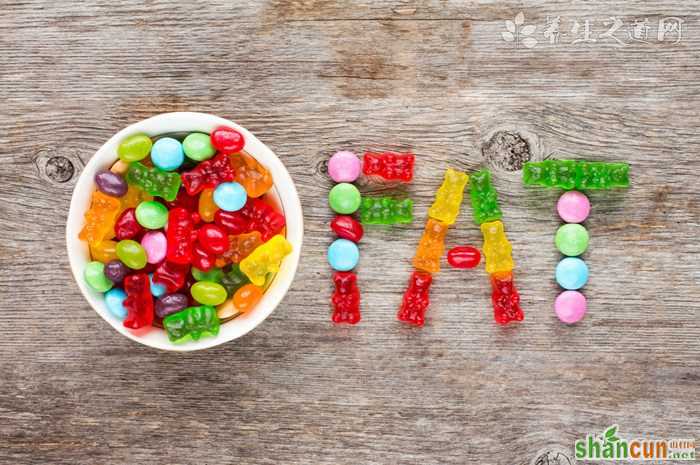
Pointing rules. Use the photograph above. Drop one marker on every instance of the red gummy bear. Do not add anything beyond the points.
(138, 302)
(416, 299)
(256, 215)
(126, 226)
(184, 200)
(180, 236)
(346, 298)
(389, 165)
(505, 298)
(171, 275)
(209, 173)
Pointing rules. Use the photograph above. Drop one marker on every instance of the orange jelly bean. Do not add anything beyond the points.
(250, 174)
(207, 207)
(104, 251)
(247, 296)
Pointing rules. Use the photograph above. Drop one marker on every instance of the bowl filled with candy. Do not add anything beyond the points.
(184, 231)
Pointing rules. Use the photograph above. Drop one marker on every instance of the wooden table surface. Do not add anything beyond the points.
(439, 78)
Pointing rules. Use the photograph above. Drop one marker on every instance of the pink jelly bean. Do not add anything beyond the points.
(570, 306)
(156, 245)
(573, 207)
(344, 166)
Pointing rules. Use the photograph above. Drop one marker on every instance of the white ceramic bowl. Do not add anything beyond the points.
(284, 190)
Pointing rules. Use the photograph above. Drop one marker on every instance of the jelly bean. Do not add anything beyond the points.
(127, 227)
(156, 245)
(132, 254)
(347, 227)
(208, 292)
(170, 303)
(572, 273)
(463, 257)
(571, 239)
(344, 166)
(197, 146)
(573, 207)
(167, 154)
(95, 277)
(119, 167)
(201, 258)
(213, 275)
(134, 148)
(114, 300)
(570, 306)
(343, 255)
(227, 140)
(115, 271)
(152, 214)
(213, 239)
(103, 251)
(157, 289)
(230, 196)
(246, 297)
(207, 208)
(344, 198)
(111, 183)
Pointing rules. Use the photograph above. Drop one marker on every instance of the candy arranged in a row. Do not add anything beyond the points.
(176, 229)
(344, 166)
(573, 174)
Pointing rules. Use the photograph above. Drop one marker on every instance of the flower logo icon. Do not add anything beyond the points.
(518, 32)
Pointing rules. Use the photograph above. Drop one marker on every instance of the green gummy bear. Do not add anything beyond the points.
(385, 210)
(570, 174)
(154, 181)
(192, 322)
(484, 198)
(233, 279)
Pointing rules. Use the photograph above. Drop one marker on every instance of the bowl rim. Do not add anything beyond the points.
(164, 123)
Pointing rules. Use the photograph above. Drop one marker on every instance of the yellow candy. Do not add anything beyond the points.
(431, 246)
(497, 249)
(265, 259)
(104, 251)
(448, 198)
(206, 205)
(100, 218)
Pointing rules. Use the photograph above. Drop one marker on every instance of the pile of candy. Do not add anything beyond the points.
(574, 207)
(183, 234)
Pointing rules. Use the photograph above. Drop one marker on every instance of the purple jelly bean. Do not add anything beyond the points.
(170, 303)
(115, 271)
(111, 183)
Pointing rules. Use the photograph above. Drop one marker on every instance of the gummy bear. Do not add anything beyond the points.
(385, 210)
(127, 227)
(416, 299)
(155, 181)
(138, 302)
(100, 218)
(497, 249)
(256, 215)
(104, 251)
(192, 322)
(184, 200)
(346, 298)
(484, 198)
(448, 198)
(171, 275)
(240, 246)
(571, 174)
(505, 299)
(250, 174)
(133, 197)
(233, 279)
(209, 173)
(431, 246)
(265, 259)
(389, 165)
(179, 234)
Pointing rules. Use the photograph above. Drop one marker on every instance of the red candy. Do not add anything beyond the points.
(138, 302)
(179, 235)
(390, 166)
(227, 140)
(184, 200)
(171, 275)
(346, 298)
(464, 256)
(126, 226)
(505, 299)
(213, 239)
(346, 227)
(256, 215)
(416, 299)
(209, 173)
(201, 258)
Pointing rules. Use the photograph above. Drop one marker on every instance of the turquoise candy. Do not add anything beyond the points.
(167, 154)
(157, 289)
(114, 300)
(95, 277)
(230, 196)
(572, 273)
(343, 255)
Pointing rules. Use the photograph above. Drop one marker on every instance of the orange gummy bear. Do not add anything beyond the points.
(250, 174)
(431, 246)
(100, 218)
(240, 246)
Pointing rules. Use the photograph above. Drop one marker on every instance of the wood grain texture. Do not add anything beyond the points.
(310, 77)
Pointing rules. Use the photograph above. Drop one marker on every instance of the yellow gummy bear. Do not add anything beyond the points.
(265, 259)
(448, 198)
(497, 249)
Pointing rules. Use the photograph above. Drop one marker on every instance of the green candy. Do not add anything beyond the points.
(571, 239)
(134, 148)
(152, 214)
(131, 253)
(197, 146)
(385, 210)
(234, 279)
(484, 198)
(344, 198)
(208, 293)
(192, 323)
(214, 275)
(95, 277)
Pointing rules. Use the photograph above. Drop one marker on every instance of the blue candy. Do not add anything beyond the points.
(167, 154)
(157, 289)
(572, 273)
(114, 299)
(230, 196)
(343, 255)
